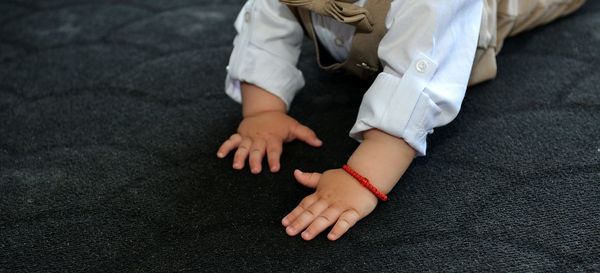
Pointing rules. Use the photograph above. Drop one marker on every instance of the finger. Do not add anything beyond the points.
(257, 152)
(307, 179)
(343, 224)
(274, 149)
(230, 144)
(304, 204)
(324, 220)
(241, 154)
(306, 217)
(307, 135)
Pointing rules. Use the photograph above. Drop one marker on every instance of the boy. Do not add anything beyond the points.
(422, 55)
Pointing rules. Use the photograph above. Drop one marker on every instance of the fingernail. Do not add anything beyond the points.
(332, 236)
(220, 155)
(289, 230)
(319, 142)
(305, 234)
(284, 221)
(255, 170)
(237, 166)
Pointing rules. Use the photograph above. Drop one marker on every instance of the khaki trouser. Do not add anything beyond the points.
(505, 18)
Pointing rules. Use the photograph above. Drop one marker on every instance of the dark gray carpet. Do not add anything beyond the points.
(111, 113)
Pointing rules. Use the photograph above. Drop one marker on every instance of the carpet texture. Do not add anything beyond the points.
(111, 113)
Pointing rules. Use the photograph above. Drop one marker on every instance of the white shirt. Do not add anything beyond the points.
(427, 54)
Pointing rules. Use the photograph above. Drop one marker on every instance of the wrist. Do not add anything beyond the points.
(365, 183)
(257, 100)
(382, 159)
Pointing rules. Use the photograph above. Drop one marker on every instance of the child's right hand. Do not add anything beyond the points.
(264, 133)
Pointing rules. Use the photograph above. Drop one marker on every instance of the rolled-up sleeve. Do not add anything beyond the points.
(266, 51)
(427, 55)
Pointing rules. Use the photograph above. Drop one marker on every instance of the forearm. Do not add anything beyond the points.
(256, 100)
(382, 158)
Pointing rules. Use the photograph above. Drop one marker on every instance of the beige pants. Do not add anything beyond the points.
(505, 18)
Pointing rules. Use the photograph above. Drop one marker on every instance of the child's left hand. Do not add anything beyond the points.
(339, 199)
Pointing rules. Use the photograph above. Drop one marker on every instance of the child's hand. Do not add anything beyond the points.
(262, 133)
(339, 199)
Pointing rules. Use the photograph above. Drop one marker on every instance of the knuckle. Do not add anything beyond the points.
(347, 219)
(345, 222)
(255, 147)
(307, 200)
(303, 204)
(354, 213)
(325, 218)
(245, 146)
(240, 154)
(310, 213)
(297, 225)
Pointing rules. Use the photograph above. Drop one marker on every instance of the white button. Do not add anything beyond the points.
(339, 42)
(421, 66)
(247, 16)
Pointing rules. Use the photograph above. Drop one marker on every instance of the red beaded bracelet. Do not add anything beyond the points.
(365, 182)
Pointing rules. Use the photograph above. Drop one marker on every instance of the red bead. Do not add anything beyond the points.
(365, 182)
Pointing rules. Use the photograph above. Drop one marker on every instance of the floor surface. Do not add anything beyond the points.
(111, 113)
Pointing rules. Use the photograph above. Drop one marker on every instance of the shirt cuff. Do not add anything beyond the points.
(399, 107)
(264, 70)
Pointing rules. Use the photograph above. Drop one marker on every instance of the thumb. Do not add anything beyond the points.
(307, 179)
(307, 135)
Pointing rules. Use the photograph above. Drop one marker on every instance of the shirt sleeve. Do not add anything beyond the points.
(427, 55)
(266, 51)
